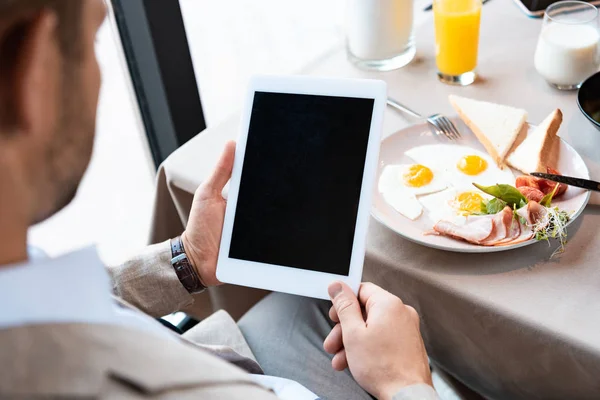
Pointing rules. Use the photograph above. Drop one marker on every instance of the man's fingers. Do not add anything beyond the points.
(333, 315)
(346, 306)
(222, 172)
(414, 315)
(369, 294)
(339, 362)
(368, 290)
(333, 342)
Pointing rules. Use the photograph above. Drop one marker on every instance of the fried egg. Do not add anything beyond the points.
(461, 165)
(416, 179)
(453, 204)
(401, 184)
(441, 181)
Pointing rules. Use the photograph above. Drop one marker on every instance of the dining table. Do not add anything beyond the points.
(517, 324)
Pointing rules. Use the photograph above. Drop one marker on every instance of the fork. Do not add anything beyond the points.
(439, 124)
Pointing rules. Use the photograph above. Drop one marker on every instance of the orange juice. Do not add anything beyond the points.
(456, 35)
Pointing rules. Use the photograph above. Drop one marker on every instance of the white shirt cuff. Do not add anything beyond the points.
(417, 392)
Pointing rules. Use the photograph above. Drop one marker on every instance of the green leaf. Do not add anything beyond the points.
(494, 206)
(483, 207)
(523, 203)
(507, 193)
(547, 199)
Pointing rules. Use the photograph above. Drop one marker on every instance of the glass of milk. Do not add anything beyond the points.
(380, 33)
(568, 50)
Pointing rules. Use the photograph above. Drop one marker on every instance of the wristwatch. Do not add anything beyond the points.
(187, 274)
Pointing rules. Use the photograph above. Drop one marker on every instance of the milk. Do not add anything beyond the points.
(567, 54)
(379, 29)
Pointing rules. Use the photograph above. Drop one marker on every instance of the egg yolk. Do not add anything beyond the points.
(417, 175)
(468, 203)
(472, 165)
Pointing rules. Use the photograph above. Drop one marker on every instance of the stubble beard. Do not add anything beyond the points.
(68, 154)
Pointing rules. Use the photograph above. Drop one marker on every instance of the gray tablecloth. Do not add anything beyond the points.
(512, 325)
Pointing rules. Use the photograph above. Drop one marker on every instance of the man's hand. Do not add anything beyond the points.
(378, 338)
(202, 236)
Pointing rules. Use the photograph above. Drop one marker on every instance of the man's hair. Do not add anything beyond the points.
(69, 19)
(68, 31)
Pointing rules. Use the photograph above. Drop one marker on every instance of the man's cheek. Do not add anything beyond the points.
(92, 82)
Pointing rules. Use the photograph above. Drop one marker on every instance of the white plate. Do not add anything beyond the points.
(392, 152)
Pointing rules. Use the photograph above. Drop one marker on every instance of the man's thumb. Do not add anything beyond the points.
(346, 305)
(222, 172)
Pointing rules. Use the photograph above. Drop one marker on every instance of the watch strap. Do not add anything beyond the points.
(187, 274)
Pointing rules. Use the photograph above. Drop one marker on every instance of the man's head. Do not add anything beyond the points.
(49, 85)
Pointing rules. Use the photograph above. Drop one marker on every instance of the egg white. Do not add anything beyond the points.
(404, 202)
(401, 197)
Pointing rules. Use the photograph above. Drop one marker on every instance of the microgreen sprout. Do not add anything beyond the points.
(553, 225)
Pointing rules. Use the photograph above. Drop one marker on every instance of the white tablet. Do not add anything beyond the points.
(300, 193)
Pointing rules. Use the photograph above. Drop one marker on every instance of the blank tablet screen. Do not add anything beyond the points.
(301, 181)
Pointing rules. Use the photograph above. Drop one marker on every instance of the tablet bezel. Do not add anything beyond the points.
(289, 279)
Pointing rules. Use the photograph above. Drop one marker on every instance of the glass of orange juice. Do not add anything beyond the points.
(456, 39)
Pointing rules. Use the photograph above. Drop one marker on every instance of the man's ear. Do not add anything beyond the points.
(30, 67)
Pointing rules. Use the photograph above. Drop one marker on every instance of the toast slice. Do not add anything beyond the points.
(496, 126)
(540, 148)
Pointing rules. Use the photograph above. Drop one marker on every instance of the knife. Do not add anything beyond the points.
(569, 180)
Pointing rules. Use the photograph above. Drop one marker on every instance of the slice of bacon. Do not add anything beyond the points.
(502, 222)
(532, 213)
(475, 230)
(513, 227)
(502, 229)
(537, 211)
(526, 233)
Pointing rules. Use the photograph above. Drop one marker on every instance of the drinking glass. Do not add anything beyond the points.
(456, 39)
(380, 33)
(568, 49)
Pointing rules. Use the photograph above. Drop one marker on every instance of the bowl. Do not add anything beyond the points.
(588, 99)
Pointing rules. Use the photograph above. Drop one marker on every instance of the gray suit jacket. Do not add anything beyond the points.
(211, 361)
(105, 361)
